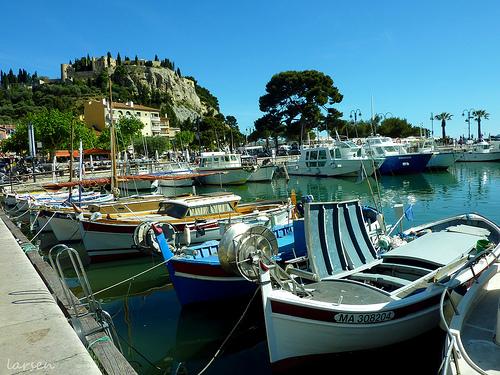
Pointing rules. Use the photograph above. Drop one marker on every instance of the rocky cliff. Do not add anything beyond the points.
(186, 103)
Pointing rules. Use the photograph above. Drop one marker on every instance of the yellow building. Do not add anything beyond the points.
(96, 116)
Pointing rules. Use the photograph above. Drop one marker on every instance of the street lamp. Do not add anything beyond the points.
(355, 119)
(468, 117)
(432, 125)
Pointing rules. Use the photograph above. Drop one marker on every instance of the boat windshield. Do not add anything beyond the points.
(172, 209)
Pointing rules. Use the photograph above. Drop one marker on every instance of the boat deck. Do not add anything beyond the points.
(479, 330)
(347, 292)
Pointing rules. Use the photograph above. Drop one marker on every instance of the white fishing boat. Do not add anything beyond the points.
(227, 168)
(360, 298)
(472, 345)
(333, 160)
(481, 151)
(262, 172)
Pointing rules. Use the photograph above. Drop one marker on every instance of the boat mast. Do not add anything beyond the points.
(114, 178)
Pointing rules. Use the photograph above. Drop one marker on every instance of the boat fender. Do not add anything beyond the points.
(95, 216)
(384, 242)
(187, 235)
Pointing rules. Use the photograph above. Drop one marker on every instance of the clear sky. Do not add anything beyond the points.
(414, 57)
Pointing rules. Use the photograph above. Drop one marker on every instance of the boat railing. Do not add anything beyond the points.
(446, 296)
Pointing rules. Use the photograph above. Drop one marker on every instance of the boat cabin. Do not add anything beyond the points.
(216, 160)
(200, 205)
(319, 156)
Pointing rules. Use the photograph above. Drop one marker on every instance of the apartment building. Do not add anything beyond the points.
(96, 116)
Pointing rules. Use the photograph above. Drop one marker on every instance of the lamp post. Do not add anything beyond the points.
(432, 125)
(468, 117)
(355, 119)
(384, 116)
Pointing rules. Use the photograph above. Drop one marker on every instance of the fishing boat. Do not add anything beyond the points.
(63, 221)
(481, 151)
(196, 271)
(472, 345)
(227, 168)
(397, 159)
(333, 160)
(262, 172)
(197, 217)
(360, 297)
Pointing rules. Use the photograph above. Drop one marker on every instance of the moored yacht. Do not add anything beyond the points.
(227, 168)
(397, 159)
(333, 160)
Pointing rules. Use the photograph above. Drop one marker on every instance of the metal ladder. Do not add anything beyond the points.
(92, 307)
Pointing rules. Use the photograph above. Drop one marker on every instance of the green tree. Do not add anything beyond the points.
(480, 114)
(300, 100)
(53, 129)
(443, 117)
(397, 128)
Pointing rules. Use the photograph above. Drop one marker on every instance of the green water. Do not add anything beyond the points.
(149, 318)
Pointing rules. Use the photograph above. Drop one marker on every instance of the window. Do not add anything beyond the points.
(219, 208)
(198, 211)
(233, 158)
(322, 158)
(171, 209)
(203, 162)
(226, 158)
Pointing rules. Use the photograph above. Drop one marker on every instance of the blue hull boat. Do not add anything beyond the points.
(199, 276)
(404, 163)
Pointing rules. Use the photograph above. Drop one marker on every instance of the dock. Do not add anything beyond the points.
(36, 336)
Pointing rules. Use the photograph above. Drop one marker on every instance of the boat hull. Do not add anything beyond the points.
(347, 168)
(228, 176)
(264, 173)
(442, 160)
(471, 156)
(404, 163)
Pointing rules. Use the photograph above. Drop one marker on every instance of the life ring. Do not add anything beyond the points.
(358, 142)
(398, 140)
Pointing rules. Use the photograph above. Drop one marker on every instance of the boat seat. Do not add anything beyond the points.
(336, 237)
(467, 229)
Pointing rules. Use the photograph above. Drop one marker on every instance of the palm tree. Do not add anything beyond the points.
(480, 113)
(445, 116)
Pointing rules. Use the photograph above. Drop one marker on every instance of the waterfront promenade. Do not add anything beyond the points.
(36, 337)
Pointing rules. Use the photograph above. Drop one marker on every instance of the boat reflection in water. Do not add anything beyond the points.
(204, 329)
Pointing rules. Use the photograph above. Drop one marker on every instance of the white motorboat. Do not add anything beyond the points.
(361, 298)
(472, 345)
(333, 160)
(442, 158)
(263, 172)
(227, 169)
(481, 151)
(175, 169)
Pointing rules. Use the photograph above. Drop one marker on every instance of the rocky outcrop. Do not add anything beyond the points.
(186, 103)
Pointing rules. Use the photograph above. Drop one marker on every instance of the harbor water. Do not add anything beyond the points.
(160, 337)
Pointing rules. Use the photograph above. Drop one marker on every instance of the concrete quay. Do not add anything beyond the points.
(35, 335)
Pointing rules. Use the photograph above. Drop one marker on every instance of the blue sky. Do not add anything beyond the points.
(413, 57)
